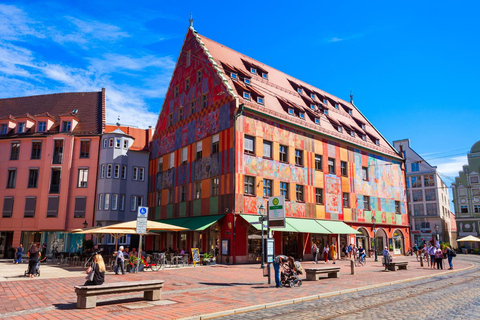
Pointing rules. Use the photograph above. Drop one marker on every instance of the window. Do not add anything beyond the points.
(463, 209)
(284, 186)
(346, 200)
(102, 171)
(246, 80)
(264, 75)
(301, 115)
(430, 195)
(107, 201)
(331, 165)
(418, 210)
(21, 127)
(12, 178)
(30, 204)
(298, 157)
(184, 155)
(246, 95)
(110, 142)
(407, 182)
(215, 144)
(365, 173)
(312, 106)
(125, 144)
(462, 192)
(32, 178)
(339, 128)
(343, 168)
(325, 111)
(114, 201)
(260, 100)
(428, 180)
(476, 208)
(318, 195)
(318, 162)
(417, 195)
(249, 144)
(366, 203)
(139, 201)
(3, 129)
(290, 111)
(55, 180)
(141, 173)
(432, 209)
(317, 120)
(377, 142)
(42, 126)
(417, 182)
(58, 152)
(234, 75)
(205, 100)
(425, 225)
(82, 178)
(283, 153)
(175, 91)
(171, 163)
(188, 59)
(192, 106)
(15, 150)
(80, 206)
(249, 185)
(324, 101)
(397, 207)
(215, 186)
(116, 171)
(135, 173)
(100, 201)
(199, 76)
(415, 166)
(299, 90)
(474, 179)
(336, 106)
(199, 148)
(180, 114)
(352, 133)
(109, 170)
(118, 143)
(104, 143)
(267, 187)
(253, 70)
(133, 203)
(312, 96)
(267, 149)
(159, 198)
(299, 192)
(66, 126)
(7, 207)
(183, 193)
(36, 150)
(170, 119)
(122, 202)
(170, 196)
(187, 84)
(198, 190)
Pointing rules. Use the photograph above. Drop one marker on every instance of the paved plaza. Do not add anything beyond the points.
(205, 291)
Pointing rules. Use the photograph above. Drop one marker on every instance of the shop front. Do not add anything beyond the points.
(6, 249)
(398, 242)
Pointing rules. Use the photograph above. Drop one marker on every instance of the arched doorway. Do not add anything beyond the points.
(382, 240)
(362, 239)
(398, 242)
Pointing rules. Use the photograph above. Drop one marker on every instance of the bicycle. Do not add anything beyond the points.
(361, 260)
(157, 263)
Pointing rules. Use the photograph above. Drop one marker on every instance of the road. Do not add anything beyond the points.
(451, 296)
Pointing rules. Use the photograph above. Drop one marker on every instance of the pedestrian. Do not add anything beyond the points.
(326, 249)
(18, 254)
(333, 251)
(439, 258)
(279, 260)
(431, 252)
(415, 249)
(120, 261)
(315, 252)
(349, 250)
(33, 257)
(98, 269)
(450, 254)
(354, 251)
(386, 257)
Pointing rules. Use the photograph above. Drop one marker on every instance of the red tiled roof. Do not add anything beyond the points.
(26, 116)
(8, 117)
(90, 106)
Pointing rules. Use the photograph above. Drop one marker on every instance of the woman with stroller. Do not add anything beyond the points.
(33, 257)
(98, 267)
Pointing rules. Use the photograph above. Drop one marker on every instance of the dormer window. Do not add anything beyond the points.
(42, 126)
(290, 111)
(325, 101)
(336, 106)
(253, 70)
(363, 126)
(246, 80)
(118, 143)
(125, 144)
(260, 100)
(265, 75)
(176, 92)
(246, 95)
(350, 111)
(317, 120)
(3, 129)
(352, 133)
(377, 142)
(299, 90)
(312, 106)
(21, 127)
(312, 96)
(339, 129)
(234, 75)
(66, 126)
(302, 115)
(364, 137)
(325, 111)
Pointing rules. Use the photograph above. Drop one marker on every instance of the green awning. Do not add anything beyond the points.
(254, 218)
(194, 223)
(337, 227)
(176, 222)
(307, 226)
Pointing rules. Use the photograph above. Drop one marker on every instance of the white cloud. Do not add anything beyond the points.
(450, 166)
(335, 39)
(15, 24)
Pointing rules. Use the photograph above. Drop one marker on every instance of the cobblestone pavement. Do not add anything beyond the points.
(448, 296)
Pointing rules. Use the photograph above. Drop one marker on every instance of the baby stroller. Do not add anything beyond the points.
(289, 277)
(36, 272)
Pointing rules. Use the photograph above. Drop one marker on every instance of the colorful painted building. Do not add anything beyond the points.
(48, 166)
(233, 131)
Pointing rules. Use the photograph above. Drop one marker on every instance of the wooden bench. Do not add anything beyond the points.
(87, 295)
(313, 274)
(397, 265)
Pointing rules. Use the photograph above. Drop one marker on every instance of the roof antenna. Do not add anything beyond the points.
(351, 97)
(191, 20)
(118, 121)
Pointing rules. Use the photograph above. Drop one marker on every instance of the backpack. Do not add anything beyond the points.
(453, 253)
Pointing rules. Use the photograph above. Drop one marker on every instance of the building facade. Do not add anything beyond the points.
(428, 198)
(233, 132)
(48, 167)
(466, 196)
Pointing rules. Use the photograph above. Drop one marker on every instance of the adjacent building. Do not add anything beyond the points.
(233, 131)
(48, 167)
(466, 196)
(428, 198)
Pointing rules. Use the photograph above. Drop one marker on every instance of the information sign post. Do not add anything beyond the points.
(142, 219)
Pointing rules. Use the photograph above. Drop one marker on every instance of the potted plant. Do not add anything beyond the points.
(207, 257)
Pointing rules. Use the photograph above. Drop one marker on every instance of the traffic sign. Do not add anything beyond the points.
(142, 218)
(276, 212)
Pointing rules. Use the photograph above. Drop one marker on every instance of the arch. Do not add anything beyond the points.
(398, 241)
(381, 236)
(363, 239)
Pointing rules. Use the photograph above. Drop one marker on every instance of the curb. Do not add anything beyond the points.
(315, 297)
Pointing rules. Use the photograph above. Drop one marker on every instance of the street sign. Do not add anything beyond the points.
(142, 217)
(276, 212)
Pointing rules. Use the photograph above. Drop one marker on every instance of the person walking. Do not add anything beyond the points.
(431, 252)
(439, 258)
(349, 250)
(120, 261)
(18, 254)
(386, 257)
(450, 254)
(98, 268)
(277, 261)
(333, 251)
(354, 251)
(315, 252)
(326, 249)
(33, 256)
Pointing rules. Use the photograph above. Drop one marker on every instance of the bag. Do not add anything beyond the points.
(90, 275)
(454, 253)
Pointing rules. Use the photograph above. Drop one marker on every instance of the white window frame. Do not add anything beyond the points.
(110, 143)
(124, 172)
(114, 201)
(125, 144)
(246, 95)
(171, 163)
(122, 202)
(116, 171)
(141, 174)
(135, 173)
(184, 155)
(105, 143)
(118, 143)
(253, 70)
(260, 100)
(133, 203)
(106, 205)
(100, 201)
(102, 171)
(109, 170)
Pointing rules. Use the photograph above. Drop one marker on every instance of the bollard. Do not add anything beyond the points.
(421, 261)
(352, 266)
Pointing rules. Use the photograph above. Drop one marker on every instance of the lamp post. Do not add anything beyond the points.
(85, 224)
(261, 210)
(375, 238)
(436, 229)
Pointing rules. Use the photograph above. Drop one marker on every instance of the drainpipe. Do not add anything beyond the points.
(237, 115)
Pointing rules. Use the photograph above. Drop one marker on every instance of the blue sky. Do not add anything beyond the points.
(412, 66)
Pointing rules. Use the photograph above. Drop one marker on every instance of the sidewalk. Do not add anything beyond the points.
(188, 291)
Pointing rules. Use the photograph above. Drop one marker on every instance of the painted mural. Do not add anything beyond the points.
(274, 170)
(333, 194)
(292, 208)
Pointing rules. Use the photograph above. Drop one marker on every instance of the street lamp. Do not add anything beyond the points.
(85, 224)
(436, 229)
(375, 238)
(261, 210)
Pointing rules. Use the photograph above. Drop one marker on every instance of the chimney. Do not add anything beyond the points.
(351, 97)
